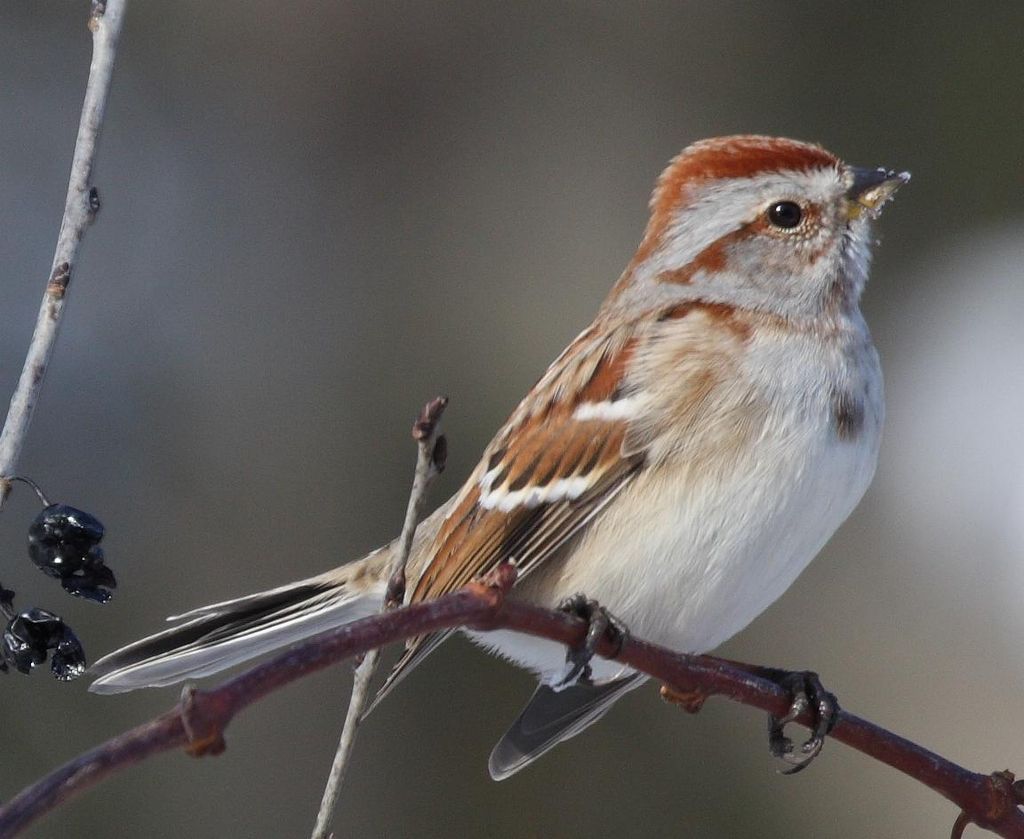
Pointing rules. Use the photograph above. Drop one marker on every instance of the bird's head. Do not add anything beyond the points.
(762, 223)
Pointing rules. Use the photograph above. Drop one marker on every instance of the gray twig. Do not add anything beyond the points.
(80, 209)
(431, 453)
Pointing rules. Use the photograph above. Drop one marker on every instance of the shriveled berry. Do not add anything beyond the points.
(31, 635)
(64, 543)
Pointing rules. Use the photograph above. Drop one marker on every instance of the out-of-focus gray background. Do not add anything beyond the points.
(318, 215)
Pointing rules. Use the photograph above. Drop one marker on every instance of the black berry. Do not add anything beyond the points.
(29, 638)
(64, 543)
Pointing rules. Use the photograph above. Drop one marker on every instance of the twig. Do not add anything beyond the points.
(198, 723)
(432, 451)
(430, 458)
(80, 209)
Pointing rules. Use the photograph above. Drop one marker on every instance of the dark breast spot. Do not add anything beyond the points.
(847, 415)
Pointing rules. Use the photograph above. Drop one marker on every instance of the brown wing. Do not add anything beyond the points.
(575, 467)
(549, 471)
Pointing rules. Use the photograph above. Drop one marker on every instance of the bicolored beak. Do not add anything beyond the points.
(869, 189)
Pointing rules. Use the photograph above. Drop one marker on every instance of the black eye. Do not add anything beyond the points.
(785, 214)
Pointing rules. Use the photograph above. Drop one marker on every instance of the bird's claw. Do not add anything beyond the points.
(600, 624)
(808, 695)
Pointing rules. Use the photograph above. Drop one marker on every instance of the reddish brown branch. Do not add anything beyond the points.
(198, 722)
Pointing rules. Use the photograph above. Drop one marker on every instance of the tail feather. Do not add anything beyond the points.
(262, 598)
(552, 717)
(219, 636)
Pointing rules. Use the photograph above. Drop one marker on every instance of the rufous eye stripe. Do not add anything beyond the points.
(711, 260)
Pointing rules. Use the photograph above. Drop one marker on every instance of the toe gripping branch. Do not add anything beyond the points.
(600, 624)
(807, 694)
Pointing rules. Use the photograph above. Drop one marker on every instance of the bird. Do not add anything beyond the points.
(680, 463)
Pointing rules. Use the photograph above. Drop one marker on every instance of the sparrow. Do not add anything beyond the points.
(681, 462)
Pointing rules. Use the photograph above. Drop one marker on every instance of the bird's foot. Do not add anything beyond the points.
(600, 624)
(807, 694)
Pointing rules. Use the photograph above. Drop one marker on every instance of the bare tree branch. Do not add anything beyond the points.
(428, 465)
(80, 208)
(198, 722)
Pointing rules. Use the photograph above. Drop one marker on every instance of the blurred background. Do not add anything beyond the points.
(318, 215)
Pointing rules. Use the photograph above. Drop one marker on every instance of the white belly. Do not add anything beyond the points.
(687, 556)
(694, 567)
